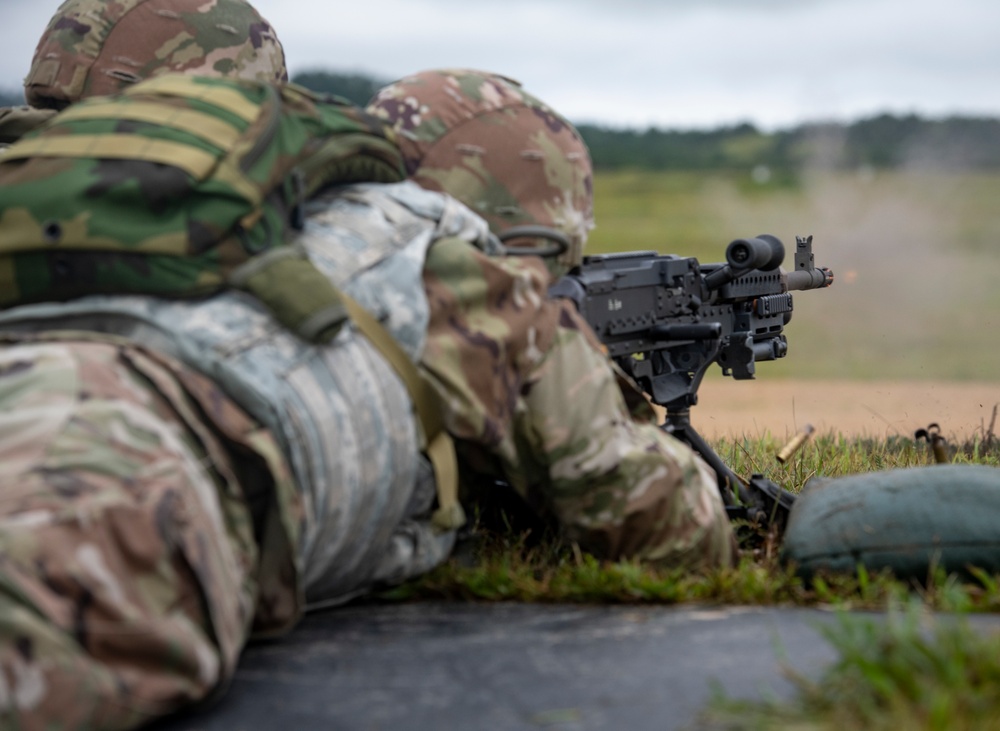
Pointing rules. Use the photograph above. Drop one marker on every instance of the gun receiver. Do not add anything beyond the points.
(666, 319)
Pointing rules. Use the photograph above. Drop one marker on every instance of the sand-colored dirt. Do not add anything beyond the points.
(881, 408)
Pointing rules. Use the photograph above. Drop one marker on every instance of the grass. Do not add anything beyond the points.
(903, 672)
(512, 559)
(900, 672)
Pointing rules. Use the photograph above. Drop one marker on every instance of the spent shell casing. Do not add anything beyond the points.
(796, 442)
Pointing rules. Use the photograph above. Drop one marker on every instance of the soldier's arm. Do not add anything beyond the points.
(523, 376)
(620, 486)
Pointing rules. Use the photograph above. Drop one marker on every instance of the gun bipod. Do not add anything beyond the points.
(758, 501)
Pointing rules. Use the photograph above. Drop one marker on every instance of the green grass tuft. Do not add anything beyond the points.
(505, 562)
(905, 671)
(899, 673)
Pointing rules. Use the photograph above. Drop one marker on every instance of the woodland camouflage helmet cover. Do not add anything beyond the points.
(97, 47)
(504, 153)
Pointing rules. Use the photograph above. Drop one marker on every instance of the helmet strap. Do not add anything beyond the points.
(560, 242)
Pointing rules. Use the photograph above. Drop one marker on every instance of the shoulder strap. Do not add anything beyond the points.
(439, 447)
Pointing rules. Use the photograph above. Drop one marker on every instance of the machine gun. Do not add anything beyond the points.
(665, 319)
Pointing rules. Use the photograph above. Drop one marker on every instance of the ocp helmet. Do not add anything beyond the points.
(97, 47)
(483, 139)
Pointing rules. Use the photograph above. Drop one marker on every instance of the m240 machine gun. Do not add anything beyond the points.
(666, 319)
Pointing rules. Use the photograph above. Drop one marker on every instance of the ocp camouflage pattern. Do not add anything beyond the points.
(128, 559)
(507, 155)
(366, 517)
(521, 377)
(524, 379)
(98, 47)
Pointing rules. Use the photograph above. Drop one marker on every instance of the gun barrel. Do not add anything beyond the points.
(814, 278)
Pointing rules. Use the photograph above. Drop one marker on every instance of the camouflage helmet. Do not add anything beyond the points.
(96, 47)
(504, 153)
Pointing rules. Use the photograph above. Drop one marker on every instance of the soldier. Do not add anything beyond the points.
(524, 376)
(179, 475)
(128, 556)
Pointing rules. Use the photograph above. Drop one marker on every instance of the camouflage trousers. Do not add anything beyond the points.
(126, 582)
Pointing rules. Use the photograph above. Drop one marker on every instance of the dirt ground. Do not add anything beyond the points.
(872, 408)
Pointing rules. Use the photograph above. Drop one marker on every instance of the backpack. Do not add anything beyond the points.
(179, 187)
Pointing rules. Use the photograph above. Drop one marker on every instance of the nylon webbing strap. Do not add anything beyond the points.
(439, 447)
(191, 160)
(208, 127)
(179, 85)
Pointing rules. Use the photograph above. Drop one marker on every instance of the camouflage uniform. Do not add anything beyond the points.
(339, 412)
(137, 551)
(509, 364)
(524, 378)
(128, 553)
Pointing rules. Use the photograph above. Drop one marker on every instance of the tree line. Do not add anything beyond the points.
(882, 141)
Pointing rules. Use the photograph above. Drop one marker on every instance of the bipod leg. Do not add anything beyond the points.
(678, 424)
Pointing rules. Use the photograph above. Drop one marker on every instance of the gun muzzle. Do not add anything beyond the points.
(793, 446)
(814, 278)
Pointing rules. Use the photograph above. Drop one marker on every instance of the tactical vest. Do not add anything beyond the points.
(172, 186)
(339, 410)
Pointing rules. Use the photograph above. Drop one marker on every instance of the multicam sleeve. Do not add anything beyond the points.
(523, 376)
(620, 486)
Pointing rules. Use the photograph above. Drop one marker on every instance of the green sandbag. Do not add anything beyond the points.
(906, 520)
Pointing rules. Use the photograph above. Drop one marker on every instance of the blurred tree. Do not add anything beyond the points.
(881, 141)
(358, 88)
(11, 98)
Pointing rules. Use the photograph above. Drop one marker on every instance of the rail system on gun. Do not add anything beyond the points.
(666, 319)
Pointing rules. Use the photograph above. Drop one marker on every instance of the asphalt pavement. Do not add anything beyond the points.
(513, 666)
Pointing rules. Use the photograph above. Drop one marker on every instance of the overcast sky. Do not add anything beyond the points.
(670, 63)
